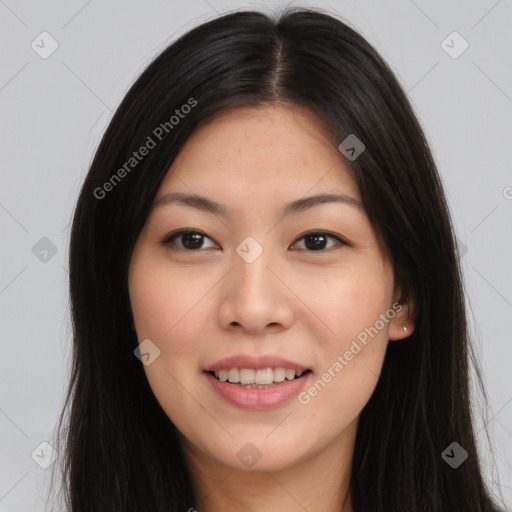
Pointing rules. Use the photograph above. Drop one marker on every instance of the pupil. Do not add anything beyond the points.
(196, 237)
(316, 236)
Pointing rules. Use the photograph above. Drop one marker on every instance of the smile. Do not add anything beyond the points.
(257, 397)
(257, 378)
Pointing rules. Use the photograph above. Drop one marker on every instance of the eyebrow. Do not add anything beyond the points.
(202, 203)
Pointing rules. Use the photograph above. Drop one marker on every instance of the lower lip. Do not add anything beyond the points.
(258, 399)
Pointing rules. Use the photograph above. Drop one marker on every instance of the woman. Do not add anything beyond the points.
(267, 304)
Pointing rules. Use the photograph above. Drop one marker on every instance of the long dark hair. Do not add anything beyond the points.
(121, 452)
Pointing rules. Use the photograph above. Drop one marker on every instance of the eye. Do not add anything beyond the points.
(316, 240)
(192, 240)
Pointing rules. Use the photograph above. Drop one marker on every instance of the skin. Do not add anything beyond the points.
(307, 305)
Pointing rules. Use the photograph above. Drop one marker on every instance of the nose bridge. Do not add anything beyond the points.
(255, 297)
(251, 265)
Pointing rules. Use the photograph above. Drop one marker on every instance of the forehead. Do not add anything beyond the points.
(266, 151)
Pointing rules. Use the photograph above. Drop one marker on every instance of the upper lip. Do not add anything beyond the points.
(257, 363)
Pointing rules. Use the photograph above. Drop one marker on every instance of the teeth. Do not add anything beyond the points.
(265, 376)
(279, 374)
(261, 377)
(290, 374)
(233, 375)
(247, 376)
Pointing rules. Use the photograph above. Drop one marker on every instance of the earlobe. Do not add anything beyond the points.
(403, 323)
(401, 327)
(406, 330)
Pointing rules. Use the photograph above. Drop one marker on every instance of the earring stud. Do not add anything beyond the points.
(405, 328)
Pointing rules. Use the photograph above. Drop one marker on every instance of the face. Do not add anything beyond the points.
(255, 284)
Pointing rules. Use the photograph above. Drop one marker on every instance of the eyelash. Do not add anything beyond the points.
(170, 238)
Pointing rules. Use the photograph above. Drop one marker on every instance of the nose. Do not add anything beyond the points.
(256, 297)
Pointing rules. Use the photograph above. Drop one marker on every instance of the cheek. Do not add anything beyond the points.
(350, 303)
(173, 375)
(354, 349)
(165, 312)
(160, 299)
(350, 369)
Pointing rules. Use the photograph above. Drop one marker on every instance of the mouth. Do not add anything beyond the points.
(250, 378)
(257, 383)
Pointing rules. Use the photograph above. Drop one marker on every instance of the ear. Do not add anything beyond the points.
(404, 305)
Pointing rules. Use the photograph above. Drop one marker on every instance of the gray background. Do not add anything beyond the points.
(53, 111)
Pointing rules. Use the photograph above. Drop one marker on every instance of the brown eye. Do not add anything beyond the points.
(317, 240)
(190, 240)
